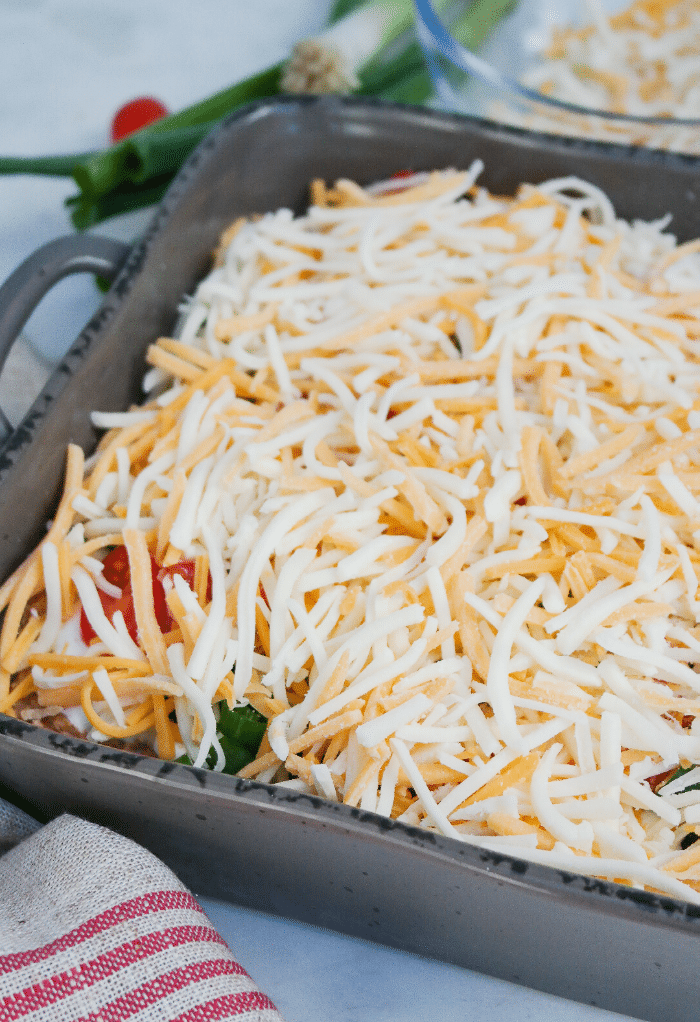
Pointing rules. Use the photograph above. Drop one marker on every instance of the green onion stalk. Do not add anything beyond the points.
(368, 49)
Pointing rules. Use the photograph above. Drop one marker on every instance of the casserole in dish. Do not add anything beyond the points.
(191, 816)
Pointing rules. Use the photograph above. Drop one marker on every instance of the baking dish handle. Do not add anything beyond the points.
(27, 285)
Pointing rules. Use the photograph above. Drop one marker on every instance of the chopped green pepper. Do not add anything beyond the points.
(242, 726)
(240, 733)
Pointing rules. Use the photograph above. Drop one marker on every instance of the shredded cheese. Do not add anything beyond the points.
(460, 582)
(641, 62)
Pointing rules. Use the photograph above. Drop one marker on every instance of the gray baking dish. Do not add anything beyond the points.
(268, 848)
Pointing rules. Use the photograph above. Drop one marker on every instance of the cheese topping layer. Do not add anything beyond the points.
(433, 456)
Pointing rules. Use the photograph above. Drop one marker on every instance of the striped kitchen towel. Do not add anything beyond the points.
(95, 928)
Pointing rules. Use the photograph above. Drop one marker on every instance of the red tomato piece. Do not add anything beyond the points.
(136, 114)
(115, 567)
(110, 605)
(398, 177)
(656, 780)
(163, 616)
(183, 568)
(116, 571)
(186, 569)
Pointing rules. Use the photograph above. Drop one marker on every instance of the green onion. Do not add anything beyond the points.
(402, 76)
(87, 209)
(341, 8)
(332, 61)
(368, 49)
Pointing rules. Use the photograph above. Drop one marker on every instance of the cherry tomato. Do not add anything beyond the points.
(135, 114)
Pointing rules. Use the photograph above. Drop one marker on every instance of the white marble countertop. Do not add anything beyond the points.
(65, 67)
